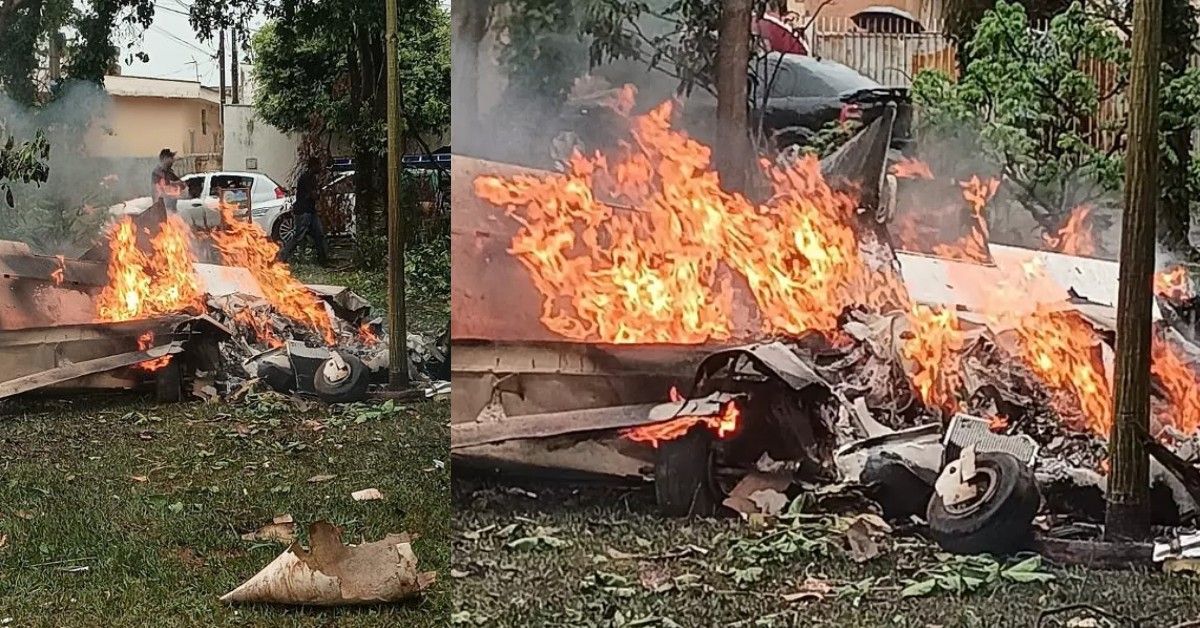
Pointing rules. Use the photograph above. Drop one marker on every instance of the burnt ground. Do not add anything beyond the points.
(152, 500)
(578, 572)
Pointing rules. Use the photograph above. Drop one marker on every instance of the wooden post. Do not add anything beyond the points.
(221, 70)
(732, 71)
(234, 70)
(1127, 513)
(397, 325)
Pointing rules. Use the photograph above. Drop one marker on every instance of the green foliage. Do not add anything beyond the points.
(967, 574)
(311, 69)
(544, 52)
(24, 162)
(1028, 104)
(678, 38)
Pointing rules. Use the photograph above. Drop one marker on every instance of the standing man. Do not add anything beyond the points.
(164, 183)
(304, 210)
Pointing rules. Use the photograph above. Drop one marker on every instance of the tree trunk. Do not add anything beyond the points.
(732, 74)
(470, 26)
(1127, 514)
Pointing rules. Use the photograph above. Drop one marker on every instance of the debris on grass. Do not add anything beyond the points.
(282, 529)
(367, 495)
(324, 477)
(542, 538)
(332, 574)
(811, 590)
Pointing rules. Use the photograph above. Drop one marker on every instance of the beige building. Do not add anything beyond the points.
(146, 115)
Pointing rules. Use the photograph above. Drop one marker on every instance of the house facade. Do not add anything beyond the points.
(146, 115)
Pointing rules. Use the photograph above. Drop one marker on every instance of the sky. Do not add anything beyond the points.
(175, 50)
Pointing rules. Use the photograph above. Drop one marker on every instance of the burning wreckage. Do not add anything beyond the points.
(734, 350)
(141, 309)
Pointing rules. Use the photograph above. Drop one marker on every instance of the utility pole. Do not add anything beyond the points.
(733, 67)
(233, 64)
(397, 324)
(221, 71)
(1127, 513)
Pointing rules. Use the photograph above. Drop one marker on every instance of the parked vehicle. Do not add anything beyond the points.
(798, 95)
(268, 202)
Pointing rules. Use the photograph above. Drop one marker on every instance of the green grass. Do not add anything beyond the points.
(160, 552)
(499, 586)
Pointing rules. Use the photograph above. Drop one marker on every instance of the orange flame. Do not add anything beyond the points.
(146, 341)
(998, 423)
(1061, 349)
(1179, 384)
(58, 273)
(260, 326)
(141, 285)
(1075, 237)
(243, 243)
(907, 168)
(935, 343)
(972, 246)
(366, 335)
(1173, 283)
(723, 425)
(650, 265)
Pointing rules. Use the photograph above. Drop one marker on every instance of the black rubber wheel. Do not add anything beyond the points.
(683, 476)
(284, 228)
(1000, 521)
(352, 388)
(168, 382)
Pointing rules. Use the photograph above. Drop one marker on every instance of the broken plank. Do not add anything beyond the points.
(549, 424)
(79, 369)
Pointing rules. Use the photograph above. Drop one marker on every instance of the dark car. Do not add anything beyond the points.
(804, 94)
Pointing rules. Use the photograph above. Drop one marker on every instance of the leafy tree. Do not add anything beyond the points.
(321, 70)
(24, 162)
(1035, 110)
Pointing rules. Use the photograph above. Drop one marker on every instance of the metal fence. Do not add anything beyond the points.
(893, 53)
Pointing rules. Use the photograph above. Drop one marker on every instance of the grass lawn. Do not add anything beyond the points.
(684, 573)
(152, 500)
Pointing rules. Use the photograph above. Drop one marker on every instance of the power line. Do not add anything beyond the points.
(171, 10)
(162, 31)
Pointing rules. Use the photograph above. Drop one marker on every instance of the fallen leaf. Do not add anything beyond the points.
(322, 478)
(457, 573)
(769, 501)
(188, 557)
(313, 425)
(366, 495)
(24, 514)
(3, 540)
(139, 478)
(862, 545)
(283, 519)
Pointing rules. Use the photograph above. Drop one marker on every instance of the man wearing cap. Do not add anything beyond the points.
(165, 184)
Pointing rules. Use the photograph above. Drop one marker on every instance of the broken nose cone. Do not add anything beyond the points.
(333, 574)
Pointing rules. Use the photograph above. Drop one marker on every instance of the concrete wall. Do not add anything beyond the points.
(249, 139)
(140, 126)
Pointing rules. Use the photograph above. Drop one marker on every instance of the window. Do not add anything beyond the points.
(229, 182)
(195, 186)
(204, 122)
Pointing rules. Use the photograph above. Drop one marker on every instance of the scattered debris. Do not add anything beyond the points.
(366, 495)
(324, 477)
(282, 529)
(329, 573)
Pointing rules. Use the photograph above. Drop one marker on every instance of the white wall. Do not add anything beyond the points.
(249, 137)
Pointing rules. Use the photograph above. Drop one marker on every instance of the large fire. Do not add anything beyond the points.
(646, 247)
(641, 249)
(142, 286)
(243, 243)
